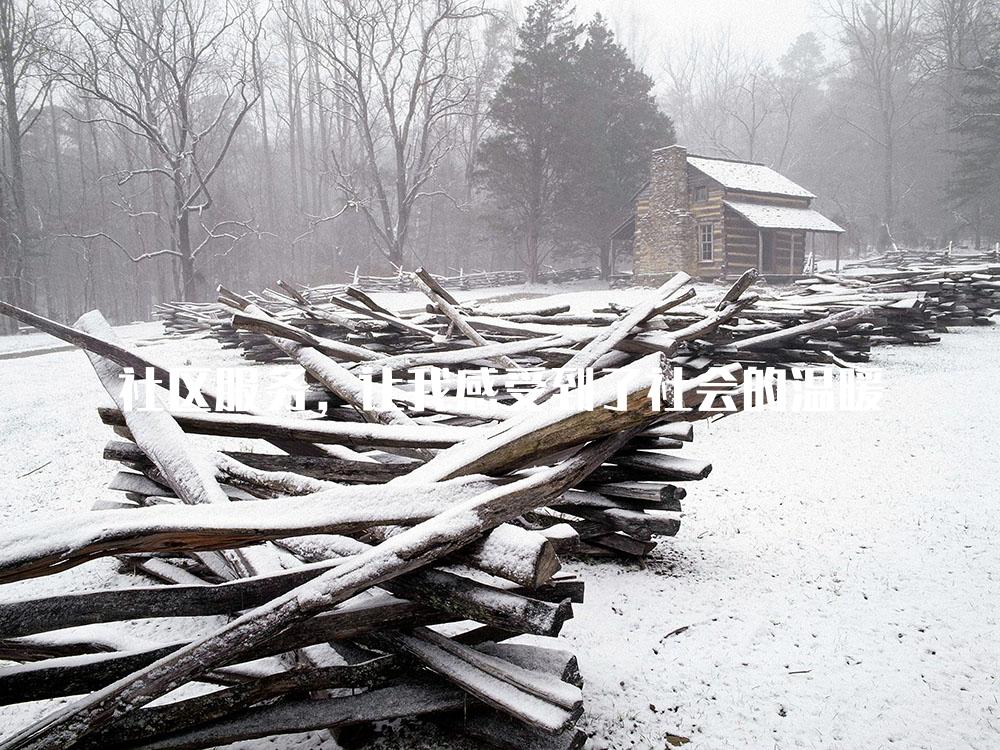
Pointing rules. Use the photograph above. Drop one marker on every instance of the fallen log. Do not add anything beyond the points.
(541, 701)
(456, 595)
(314, 430)
(328, 468)
(43, 548)
(771, 340)
(448, 307)
(611, 336)
(418, 546)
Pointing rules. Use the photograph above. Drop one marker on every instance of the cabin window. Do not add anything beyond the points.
(701, 193)
(706, 240)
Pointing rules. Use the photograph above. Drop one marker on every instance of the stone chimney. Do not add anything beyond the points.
(665, 239)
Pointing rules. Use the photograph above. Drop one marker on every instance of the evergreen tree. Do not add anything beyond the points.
(523, 162)
(975, 188)
(615, 126)
(573, 130)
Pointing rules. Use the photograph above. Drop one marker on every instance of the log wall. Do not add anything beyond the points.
(658, 247)
(742, 242)
(705, 211)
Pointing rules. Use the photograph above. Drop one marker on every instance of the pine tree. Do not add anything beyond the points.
(523, 164)
(573, 130)
(615, 126)
(975, 187)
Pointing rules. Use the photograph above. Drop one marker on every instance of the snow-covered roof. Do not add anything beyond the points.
(753, 178)
(781, 217)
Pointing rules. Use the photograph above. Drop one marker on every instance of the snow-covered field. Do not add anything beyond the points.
(838, 574)
(835, 582)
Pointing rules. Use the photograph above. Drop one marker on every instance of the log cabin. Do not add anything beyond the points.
(716, 218)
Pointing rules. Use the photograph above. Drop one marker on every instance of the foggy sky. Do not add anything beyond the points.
(647, 27)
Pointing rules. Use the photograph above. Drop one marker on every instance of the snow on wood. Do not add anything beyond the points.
(749, 177)
(314, 430)
(496, 490)
(543, 702)
(44, 547)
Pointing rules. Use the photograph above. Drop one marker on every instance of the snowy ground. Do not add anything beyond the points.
(837, 574)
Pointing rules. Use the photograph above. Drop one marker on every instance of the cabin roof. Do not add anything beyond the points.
(625, 230)
(747, 176)
(782, 217)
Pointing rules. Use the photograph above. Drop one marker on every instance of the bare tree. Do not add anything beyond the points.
(722, 97)
(391, 69)
(348, 132)
(801, 69)
(485, 57)
(25, 52)
(883, 42)
(958, 31)
(630, 24)
(680, 78)
(176, 77)
(750, 102)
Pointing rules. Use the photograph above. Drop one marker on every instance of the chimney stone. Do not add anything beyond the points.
(665, 241)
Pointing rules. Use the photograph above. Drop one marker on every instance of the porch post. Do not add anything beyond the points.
(760, 250)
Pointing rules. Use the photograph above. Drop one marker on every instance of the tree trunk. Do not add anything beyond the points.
(164, 270)
(978, 227)
(18, 245)
(188, 280)
(396, 252)
(290, 99)
(7, 288)
(534, 212)
(888, 173)
(532, 249)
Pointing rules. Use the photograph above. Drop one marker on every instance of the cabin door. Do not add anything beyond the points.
(766, 251)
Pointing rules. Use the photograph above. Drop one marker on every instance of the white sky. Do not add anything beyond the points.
(649, 27)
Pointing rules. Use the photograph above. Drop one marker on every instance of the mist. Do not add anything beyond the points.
(153, 149)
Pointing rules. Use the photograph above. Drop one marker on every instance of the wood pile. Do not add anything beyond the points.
(903, 258)
(568, 275)
(898, 317)
(912, 305)
(374, 561)
(746, 332)
(187, 318)
(212, 318)
(955, 295)
(917, 296)
(766, 337)
(353, 321)
(403, 281)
